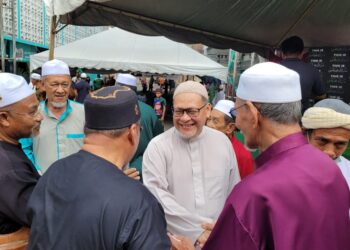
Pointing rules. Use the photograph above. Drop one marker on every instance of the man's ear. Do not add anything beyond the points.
(133, 134)
(254, 113)
(4, 119)
(208, 109)
(230, 128)
(43, 85)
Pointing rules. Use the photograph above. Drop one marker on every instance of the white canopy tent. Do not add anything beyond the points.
(119, 50)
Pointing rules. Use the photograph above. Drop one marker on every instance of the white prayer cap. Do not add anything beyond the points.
(13, 88)
(55, 67)
(83, 75)
(328, 113)
(191, 87)
(35, 76)
(269, 83)
(225, 106)
(127, 79)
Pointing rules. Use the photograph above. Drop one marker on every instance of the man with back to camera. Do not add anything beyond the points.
(151, 126)
(82, 88)
(85, 201)
(311, 84)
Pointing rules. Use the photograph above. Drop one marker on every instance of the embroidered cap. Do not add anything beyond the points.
(111, 107)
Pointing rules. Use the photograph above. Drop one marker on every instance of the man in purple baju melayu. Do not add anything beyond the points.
(297, 198)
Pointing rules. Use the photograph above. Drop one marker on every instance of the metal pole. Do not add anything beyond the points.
(52, 37)
(235, 73)
(252, 59)
(2, 43)
(14, 49)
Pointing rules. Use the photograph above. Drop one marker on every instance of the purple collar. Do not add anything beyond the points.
(284, 144)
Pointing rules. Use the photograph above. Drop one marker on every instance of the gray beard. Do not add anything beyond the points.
(59, 104)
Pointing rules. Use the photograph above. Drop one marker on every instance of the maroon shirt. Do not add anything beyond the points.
(297, 199)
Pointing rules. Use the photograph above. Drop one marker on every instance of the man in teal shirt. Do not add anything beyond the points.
(62, 130)
(151, 126)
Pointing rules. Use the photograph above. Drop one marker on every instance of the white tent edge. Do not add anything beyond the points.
(149, 66)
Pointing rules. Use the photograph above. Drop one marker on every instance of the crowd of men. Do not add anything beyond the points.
(104, 174)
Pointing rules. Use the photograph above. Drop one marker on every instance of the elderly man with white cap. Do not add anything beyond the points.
(190, 168)
(151, 126)
(297, 198)
(35, 79)
(36, 85)
(327, 126)
(222, 118)
(62, 130)
(19, 117)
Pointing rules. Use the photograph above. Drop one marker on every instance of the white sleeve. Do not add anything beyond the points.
(179, 220)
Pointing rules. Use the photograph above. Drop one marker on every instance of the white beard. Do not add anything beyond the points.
(59, 104)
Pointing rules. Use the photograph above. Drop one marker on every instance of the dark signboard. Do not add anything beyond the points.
(334, 65)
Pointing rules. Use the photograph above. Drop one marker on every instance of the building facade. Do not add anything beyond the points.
(32, 29)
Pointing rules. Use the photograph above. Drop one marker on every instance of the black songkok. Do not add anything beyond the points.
(112, 107)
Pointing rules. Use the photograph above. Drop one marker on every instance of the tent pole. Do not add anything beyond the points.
(14, 49)
(52, 37)
(2, 38)
(235, 78)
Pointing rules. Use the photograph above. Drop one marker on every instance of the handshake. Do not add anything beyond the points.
(185, 243)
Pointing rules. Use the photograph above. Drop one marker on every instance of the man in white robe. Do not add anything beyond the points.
(190, 168)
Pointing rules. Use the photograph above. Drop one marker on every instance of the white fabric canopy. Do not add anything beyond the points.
(119, 50)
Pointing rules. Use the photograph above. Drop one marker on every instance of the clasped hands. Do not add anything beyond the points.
(185, 243)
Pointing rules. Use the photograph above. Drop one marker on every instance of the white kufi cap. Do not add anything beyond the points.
(191, 87)
(127, 79)
(55, 67)
(35, 76)
(328, 113)
(225, 106)
(13, 88)
(269, 83)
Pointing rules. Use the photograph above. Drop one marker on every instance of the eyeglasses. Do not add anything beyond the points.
(191, 112)
(233, 110)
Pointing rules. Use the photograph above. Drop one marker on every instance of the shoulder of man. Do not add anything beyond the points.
(164, 138)
(216, 135)
(76, 106)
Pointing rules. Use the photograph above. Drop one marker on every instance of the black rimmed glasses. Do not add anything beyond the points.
(233, 110)
(191, 112)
